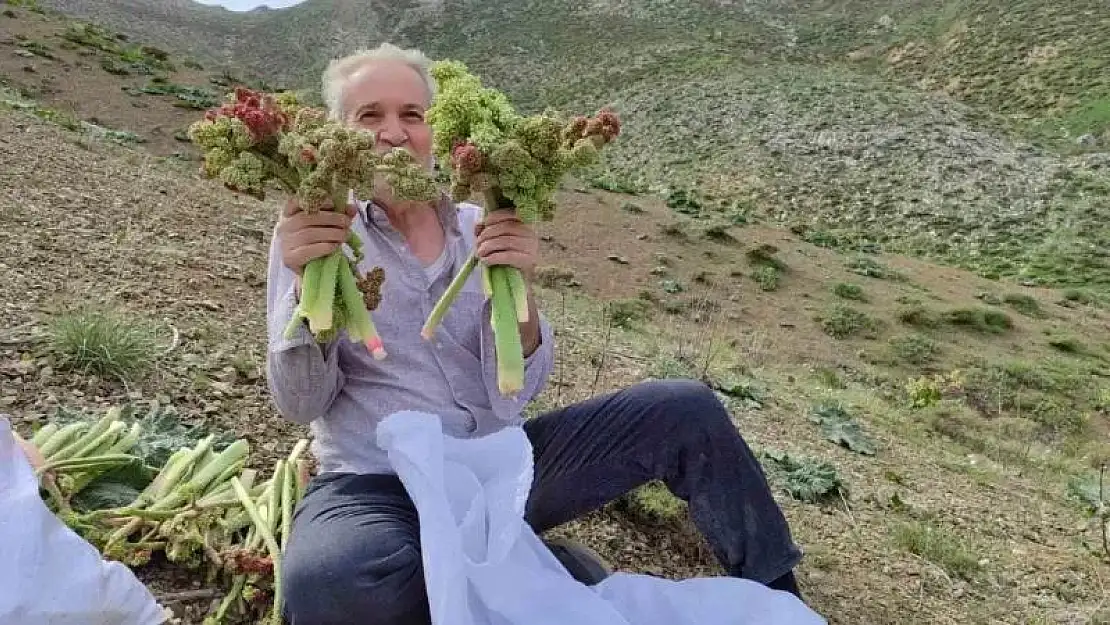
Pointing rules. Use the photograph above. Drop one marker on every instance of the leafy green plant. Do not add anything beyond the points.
(839, 427)
(847, 290)
(920, 316)
(841, 321)
(187, 96)
(767, 277)
(914, 348)
(985, 320)
(1024, 304)
(804, 479)
(625, 313)
(867, 266)
(926, 391)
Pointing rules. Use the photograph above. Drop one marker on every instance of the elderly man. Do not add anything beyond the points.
(354, 551)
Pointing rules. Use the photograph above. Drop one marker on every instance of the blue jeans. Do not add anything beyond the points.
(354, 551)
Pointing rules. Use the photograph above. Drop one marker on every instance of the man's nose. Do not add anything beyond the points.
(391, 132)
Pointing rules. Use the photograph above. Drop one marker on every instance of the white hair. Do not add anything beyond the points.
(339, 72)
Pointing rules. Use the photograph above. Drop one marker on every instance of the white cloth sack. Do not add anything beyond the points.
(484, 565)
(49, 575)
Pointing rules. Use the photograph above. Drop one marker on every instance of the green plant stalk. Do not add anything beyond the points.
(60, 438)
(85, 440)
(361, 326)
(127, 441)
(322, 282)
(298, 449)
(220, 484)
(105, 438)
(506, 334)
(288, 492)
(320, 316)
(155, 486)
(178, 472)
(88, 463)
(519, 289)
(310, 279)
(288, 178)
(229, 599)
(235, 453)
(487, 284)
(63, 507)
(271, 545)
(274, 503)
(44, 434)
(508, 293)
(302, 483)
(448, 297)
(355, 244)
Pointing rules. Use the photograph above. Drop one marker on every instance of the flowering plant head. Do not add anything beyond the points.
(260, 112)
(491, 148)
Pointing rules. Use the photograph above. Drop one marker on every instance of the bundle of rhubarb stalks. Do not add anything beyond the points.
(202, 508)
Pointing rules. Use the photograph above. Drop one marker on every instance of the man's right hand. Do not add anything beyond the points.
(307, 236)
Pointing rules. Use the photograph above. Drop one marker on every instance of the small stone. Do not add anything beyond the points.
(27, 54)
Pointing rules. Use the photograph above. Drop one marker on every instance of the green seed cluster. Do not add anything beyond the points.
(490, 146)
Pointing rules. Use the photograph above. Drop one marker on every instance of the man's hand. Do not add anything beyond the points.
(304, 237)
(503, 239)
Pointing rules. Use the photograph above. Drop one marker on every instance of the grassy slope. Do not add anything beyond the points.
(790, 113)
(964, 513)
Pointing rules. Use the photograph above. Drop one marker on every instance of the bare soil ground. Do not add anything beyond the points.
(961, 516)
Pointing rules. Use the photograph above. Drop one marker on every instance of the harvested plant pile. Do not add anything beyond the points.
(515, 163)
(201, 508)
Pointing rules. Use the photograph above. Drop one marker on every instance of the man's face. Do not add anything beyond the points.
(389, 99)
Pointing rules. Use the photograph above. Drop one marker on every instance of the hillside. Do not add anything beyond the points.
(905, 125)
(933, 435)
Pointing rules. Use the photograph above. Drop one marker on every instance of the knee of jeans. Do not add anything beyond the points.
(683, 398)
(386, 590)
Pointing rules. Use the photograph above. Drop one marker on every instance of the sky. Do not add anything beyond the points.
(246, 5)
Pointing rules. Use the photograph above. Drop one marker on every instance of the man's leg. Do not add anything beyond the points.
(676, 431)
(354, 555)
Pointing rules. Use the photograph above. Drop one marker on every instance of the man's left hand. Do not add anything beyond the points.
(503, 239)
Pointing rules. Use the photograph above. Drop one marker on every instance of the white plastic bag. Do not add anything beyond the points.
(48, 574)
(484, 565)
